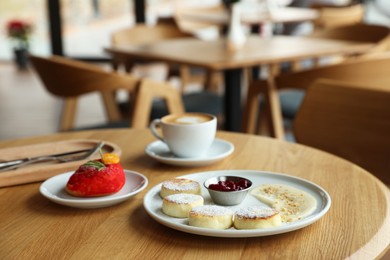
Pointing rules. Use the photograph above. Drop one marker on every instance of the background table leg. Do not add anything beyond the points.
(233, 99)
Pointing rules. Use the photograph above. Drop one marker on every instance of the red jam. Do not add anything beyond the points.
(230, 185)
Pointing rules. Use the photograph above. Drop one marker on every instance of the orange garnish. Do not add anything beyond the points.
(110, 158)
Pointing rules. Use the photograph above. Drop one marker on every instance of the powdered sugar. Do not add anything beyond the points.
(184, 198)
(211, 210)
(180, 185)
(255, 212)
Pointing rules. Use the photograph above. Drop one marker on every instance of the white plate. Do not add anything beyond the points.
(153, 204)
(219, 150)
(54, 190)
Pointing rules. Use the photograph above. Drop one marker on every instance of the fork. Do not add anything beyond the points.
(62, 159)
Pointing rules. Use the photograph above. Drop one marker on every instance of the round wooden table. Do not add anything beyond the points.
(357, 224)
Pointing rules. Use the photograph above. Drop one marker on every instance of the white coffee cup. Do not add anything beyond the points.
(187, 135)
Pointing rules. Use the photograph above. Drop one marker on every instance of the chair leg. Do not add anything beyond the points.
(111, 107)
(274, 70)
(213, 81)
(68, 114)
(115, 64)
(144, 95)
(264, 123)
(128, 65)
(256, 121)
(273, 109)
(296, 65)
(185, 76)
(251, 108)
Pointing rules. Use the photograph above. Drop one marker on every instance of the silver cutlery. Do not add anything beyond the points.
(61, 157)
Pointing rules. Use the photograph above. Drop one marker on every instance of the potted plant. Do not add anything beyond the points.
(19, 32)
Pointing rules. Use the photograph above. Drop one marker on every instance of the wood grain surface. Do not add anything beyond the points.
(357, 224)
(46, 169)
(256, 51)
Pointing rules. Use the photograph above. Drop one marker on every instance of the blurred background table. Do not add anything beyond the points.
(213, 55)
(253, 17)
(357, 225)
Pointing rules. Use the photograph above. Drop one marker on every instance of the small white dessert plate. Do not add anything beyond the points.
(219, 150)
(54, 190)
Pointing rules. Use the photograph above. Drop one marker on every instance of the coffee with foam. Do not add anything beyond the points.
(187, 119)
(187, 135)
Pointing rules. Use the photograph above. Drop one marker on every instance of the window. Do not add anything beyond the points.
(87, 24)
(33, 11)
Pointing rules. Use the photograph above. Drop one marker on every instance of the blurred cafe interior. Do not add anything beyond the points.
(82, 30)
(310, 72)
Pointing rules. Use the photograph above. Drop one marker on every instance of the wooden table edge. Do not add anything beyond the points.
(378, 240)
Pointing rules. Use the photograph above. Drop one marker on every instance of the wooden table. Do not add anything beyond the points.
(254, 17)
(357, 224)
(257, 51)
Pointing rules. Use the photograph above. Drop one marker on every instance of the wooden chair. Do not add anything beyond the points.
(145, 97)
(370, 71)
(70, 79)
(203, 30)
(378, 35)
(144, 34)
(348, 120)
(206, 100)
(193, 26)
(331, 16)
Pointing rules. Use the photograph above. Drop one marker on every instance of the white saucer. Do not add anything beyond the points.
(54, 190)
(219, 150)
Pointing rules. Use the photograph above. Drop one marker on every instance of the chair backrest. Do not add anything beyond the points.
(371, 70)
(143, 34)
(146, 93)
(64, 77)
(333, 16)
(69, 79)
(359, 32)
(348, 120)
(194, 26)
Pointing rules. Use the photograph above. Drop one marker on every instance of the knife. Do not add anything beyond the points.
(12, 163)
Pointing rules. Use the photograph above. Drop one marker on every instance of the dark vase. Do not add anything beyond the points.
(21, 58)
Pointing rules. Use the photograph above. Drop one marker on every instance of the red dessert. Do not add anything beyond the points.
(230, 185)
(97, 178)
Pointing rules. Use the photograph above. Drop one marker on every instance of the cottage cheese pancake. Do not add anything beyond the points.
(177, 186)
(211, 216)
(179, 205)
(255, 217)
(293, 204)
